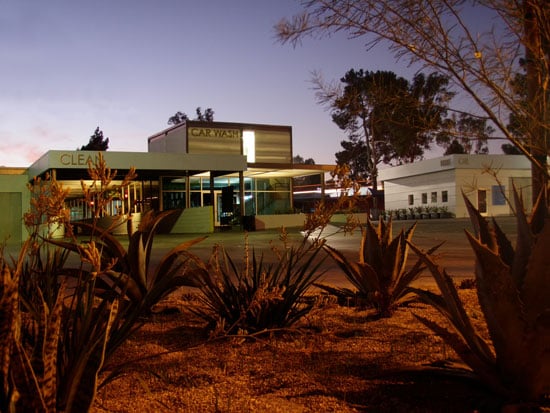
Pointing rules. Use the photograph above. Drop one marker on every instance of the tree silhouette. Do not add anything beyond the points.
(180, 117)
(97, 142)
(479, 60)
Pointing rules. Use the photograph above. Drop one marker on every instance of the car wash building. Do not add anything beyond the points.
(216, 174)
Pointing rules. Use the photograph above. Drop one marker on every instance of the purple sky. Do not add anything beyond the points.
(68, 66)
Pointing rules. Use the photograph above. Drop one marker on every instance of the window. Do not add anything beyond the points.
(444, 196)
(411, 199)
(434, 197)
(498, 195)
(424, 198)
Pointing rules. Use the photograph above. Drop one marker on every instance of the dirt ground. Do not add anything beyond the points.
(337, 359)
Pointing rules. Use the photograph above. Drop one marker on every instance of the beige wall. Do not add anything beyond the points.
(471, 181)
(14, 202)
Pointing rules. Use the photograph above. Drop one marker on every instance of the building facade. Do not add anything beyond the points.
(215, 173)
(487, 181)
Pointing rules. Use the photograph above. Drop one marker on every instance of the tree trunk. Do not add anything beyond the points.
(536, 97)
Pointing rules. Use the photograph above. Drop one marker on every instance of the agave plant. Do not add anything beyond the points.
(380, 276)
(257, 296)
(513, 287)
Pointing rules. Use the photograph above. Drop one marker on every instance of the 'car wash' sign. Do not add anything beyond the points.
(214, 140)
(215, 133)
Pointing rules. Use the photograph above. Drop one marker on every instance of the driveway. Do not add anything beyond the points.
(455, 255)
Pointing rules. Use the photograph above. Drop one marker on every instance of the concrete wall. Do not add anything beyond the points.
(397, 191)
(14, 202)
(279, 220)
(195, 221)
(171, 140)
(471, 181)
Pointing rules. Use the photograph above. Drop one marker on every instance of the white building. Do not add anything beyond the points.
(487, 180)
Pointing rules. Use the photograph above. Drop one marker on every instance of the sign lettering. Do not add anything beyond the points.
(76, 159)
(215, 133)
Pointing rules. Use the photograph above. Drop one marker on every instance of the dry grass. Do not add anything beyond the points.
(337, 360)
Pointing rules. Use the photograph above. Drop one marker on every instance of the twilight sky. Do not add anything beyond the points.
(68, 66)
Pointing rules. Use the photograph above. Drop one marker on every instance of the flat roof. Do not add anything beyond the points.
(74, 164)
(455, 161)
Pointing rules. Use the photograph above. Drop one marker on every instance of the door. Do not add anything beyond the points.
(224, 207)
(482, 201)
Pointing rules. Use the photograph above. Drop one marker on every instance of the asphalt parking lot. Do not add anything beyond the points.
(455, 255)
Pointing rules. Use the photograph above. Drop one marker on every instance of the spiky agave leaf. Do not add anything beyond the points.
(380, 274)
(87, 343)
(450, 305)
(361, 276)
(513, 289)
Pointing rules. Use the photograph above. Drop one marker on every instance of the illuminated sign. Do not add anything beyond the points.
(215, 133)
(76, 159)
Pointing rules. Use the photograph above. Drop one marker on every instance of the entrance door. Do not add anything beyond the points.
(482, 201)
(224, 207)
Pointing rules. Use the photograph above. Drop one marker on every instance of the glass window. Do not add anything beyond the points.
(273, 184)
(497, 192)
(234, 182)
(220, 183)
(273, 202)
(173, 200)
(173, 184)
(411, 199)
(195, 184)
(434, 197)
(249, 204)
(249, 184)
(444, 196)
(424, 198)
(195, 199)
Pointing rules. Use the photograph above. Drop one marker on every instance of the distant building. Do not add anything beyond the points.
(440, 183)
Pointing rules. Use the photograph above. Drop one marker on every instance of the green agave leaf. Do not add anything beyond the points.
(138, 260)
(484, 369)
(481, 226)
(385, 231)
(112, 244)
(539, 214)
(83, 386)
(505, 248)
(367, 278)
(524, 243)
(125, 283)
(371, 251)
(535, 294)
(454, 309)
(362, 276)
(168, 259)
(401, 285)
(392, 261)
(500, 302)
